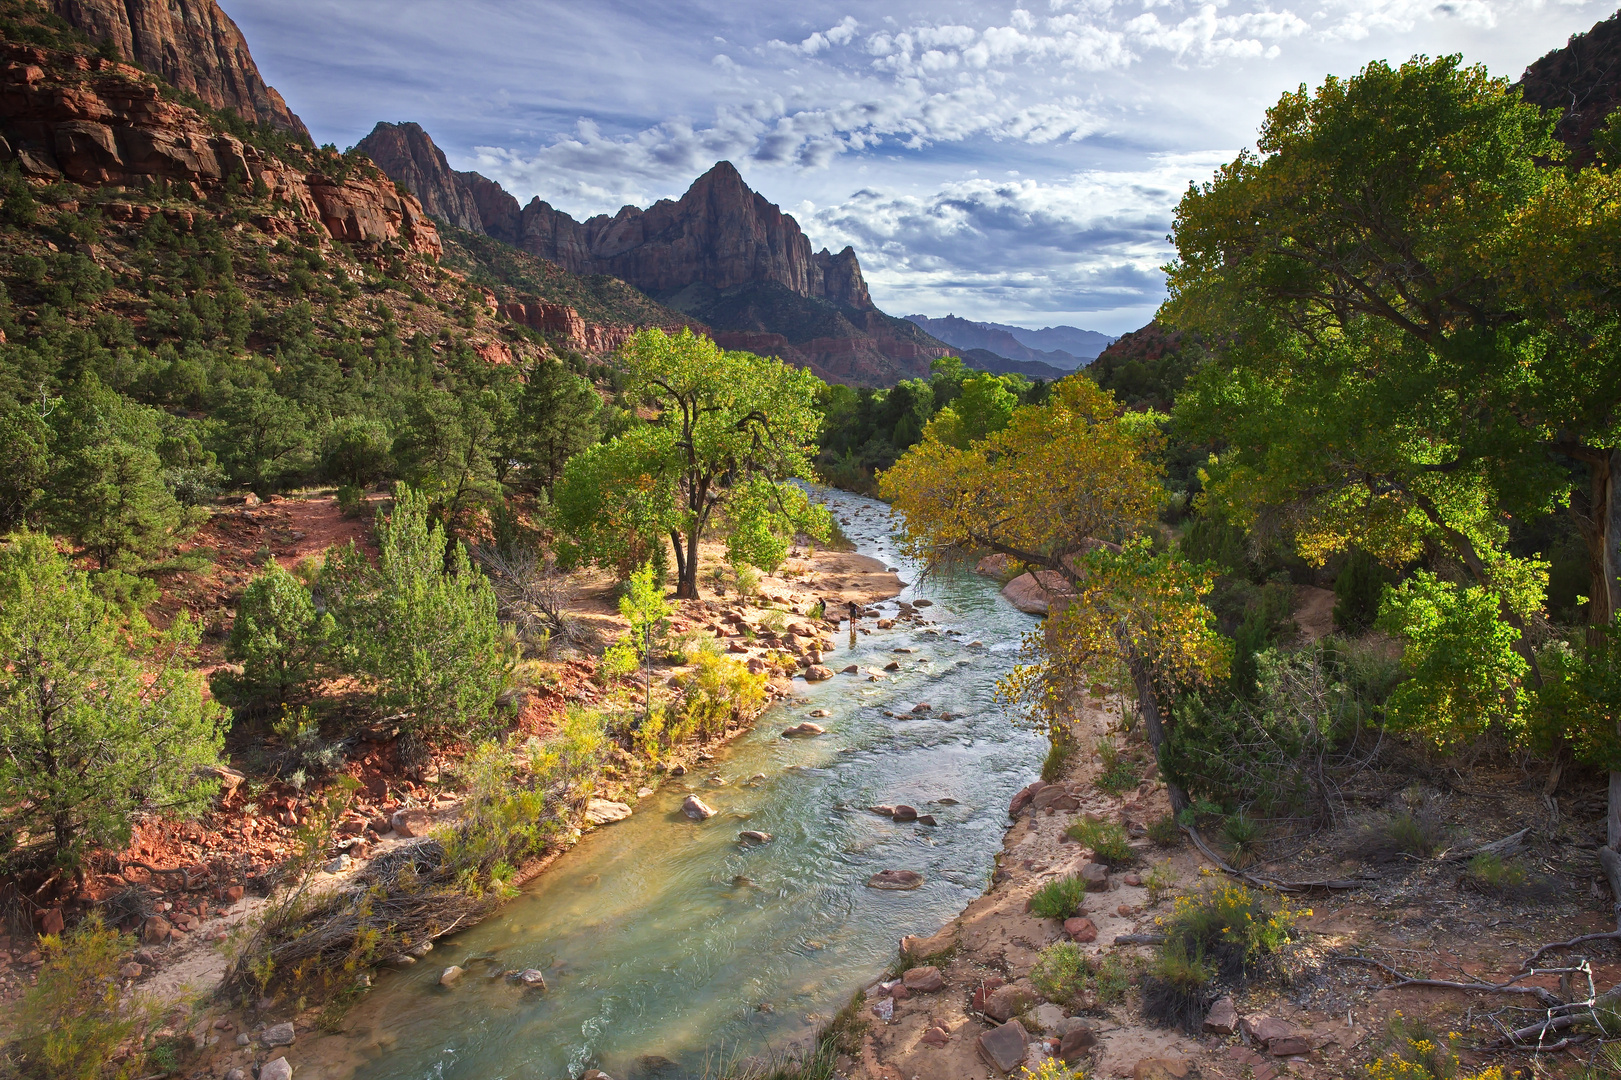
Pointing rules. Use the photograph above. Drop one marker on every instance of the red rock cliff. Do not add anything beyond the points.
(100, 123)
(409, 156)
(193, 44)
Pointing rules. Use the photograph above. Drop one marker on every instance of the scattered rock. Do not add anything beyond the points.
(1049, 1016)
(1160, 1069)
(533, 978)
(1081, 929)
(605, 812)
(342, 864)
(1222, 1019)
(804, 731)
(853, 669)
(924, 980)
(279, 1035)
(1004, 1047)
(1289, 1046)
(895, 879)
(131, 970)
(696, 809)
(818, 673)
(935, 1036)
(754, 836)
(156, 930)
(820, 714)
(922, 603)
(1009, 1001)
(276, 1070)
(51, 922)
(926, 819)
(893, 665)
(451, 976)
(1022, 799)
(922, 707)
(902, 812)
(1054, 797)
(235, 1074)
(234, 893)
(1096, 876)
(409, 823)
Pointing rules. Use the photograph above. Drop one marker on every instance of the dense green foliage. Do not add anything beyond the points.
(97, 720)
(279, 638)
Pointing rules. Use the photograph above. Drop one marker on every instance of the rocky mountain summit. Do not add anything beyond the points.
(193, 45)
(721, 254)
(1018, 343)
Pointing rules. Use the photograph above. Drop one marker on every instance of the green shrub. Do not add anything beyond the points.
(1107, 839)
(97, 720)
(747, 579)
(1111, 978)
(74, 1017)
(1232, 926)
(1118, 774)
(421, 623)
(1059, 752)
(1357, 590)
(1177, 986)
(351, 500)
(1060, 973)
(1404, 834)
(1413, 1050)
(279, 639)
(1164, 831)
(618, 660)
(1243, 835)
(1059, 898)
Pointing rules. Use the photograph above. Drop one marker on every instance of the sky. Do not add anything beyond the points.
(1016, 162)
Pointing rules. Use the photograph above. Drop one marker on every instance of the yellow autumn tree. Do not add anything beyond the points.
(1071, 486)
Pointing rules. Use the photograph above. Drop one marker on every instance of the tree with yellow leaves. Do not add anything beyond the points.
(1071, 487)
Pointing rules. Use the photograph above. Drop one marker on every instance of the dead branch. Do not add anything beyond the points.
(1508, 845)
(1139, 939)
(1546, 997)
(1260, 881)
(1613, 935)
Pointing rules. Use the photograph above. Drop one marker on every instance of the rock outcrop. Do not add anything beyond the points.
(193, 45)
(1583, 79)
(409, 156)
(99, 123)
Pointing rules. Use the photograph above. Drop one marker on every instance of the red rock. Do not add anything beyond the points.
(156, 929)
(935, 1036)
(1081, 930)
(234, 893)
(1289, 1046)
(1004, 1047)
(191, 43)
(983, 991)
(899, 992)
(1023, 798)
(51, 922)
(1009, 1001)
(924, 980)
(1133, 880)
(1075, 1042)
(1222, 1019)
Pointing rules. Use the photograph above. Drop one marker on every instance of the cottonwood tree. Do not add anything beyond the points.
(1071, 487)
(1411, 308)
(97, 720)
(731, 431)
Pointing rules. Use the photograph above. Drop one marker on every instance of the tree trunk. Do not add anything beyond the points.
(1153, 724)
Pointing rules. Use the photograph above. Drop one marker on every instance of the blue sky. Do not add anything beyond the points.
(1016, 162)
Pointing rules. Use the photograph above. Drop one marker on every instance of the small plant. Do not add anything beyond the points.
(1061, 973)
(1118, 772)
(1504, 878)
(1059, 898)
(818, 611)
(619, 660)
(74, 1017)
(1051, 1069)
(1415, 1051)
(1160, 881)
(351, 500)
(1164, 831)
(774, 620)
(747, 579)
(1058, 755)
(1233, 926)
(1389, 837)
(1107, 839)
(1243, 835)
(1176, 990)
(1111, 978)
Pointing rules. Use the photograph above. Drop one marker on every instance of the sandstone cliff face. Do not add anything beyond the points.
(100, 123)
(408, 156)
(564, 321)
(193, 44)
(720, 233)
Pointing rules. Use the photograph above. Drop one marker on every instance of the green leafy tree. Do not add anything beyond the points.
(355, 451)
(732, 432)
(446, 450)
(421, 623)
(556, 418)
(279, 638)
(95, 722)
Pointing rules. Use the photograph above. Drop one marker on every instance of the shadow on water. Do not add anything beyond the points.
(664, 940)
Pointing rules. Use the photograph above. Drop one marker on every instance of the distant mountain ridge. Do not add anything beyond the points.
(1066, 348)
(1583, 79)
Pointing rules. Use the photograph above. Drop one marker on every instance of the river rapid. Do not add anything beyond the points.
(669, 947)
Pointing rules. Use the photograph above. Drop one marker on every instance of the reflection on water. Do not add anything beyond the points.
(667, 942)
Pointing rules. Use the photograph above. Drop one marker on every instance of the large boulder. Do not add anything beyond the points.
(924, 980)
(1009, 1001)
(278, 1069)
(895, 879)
(696, 809)
(818, 673)
(806, 730)
(1024, 797)
(1035, 593)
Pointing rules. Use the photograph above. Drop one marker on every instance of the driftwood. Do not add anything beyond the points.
(1139, 939)
(1544, 997)
(1508, 845)
(1261, 881)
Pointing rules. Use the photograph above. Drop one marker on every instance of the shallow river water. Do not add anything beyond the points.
(668, 946)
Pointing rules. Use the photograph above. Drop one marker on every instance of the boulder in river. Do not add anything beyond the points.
(902, 812)
(532, 978)
(895, 879)
(853, 669)
(804, 731)
(820, 714)
(605, 812)
(1039, 592)
(754, 836)
(818, 673)
(451, 976)
(696, 809)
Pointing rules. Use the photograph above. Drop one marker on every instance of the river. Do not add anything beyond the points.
(670, 947)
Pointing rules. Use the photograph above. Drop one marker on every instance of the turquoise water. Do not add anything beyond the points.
(669, 946)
